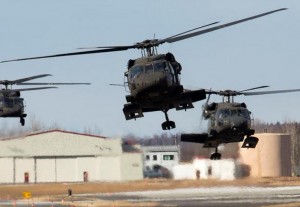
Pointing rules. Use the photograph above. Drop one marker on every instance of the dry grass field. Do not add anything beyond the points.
(61, 189)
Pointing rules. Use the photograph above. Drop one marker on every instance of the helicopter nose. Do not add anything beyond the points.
(236, 125)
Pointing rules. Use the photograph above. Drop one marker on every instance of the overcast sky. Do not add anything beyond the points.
(263, 51)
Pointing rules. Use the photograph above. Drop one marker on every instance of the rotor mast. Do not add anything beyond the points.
(148, 47)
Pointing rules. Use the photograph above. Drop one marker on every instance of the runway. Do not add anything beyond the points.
(210, 197)
(206, 196)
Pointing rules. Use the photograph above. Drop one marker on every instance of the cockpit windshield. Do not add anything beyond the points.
(19, 102)
(8, 102)
(136, 70)
(149, 68)
(223, 113)
(159, 66)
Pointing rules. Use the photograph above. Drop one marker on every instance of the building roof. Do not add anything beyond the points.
(63, 131)
(60, 143)
(161, 148)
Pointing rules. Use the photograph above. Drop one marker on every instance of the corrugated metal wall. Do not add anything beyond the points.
(71, 169)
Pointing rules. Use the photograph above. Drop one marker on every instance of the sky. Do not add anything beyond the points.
(263, 51)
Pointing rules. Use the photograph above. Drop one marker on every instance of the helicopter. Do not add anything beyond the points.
(153, 80)
(228, 121)
(11, 103)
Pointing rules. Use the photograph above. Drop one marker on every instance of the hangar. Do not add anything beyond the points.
(62, 156)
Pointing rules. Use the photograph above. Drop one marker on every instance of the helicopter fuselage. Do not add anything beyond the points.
(154, 85)
(154, 76)
(11, 107)
(231, 119)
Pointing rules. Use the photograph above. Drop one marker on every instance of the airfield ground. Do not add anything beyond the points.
(41, 190)
(59, 191)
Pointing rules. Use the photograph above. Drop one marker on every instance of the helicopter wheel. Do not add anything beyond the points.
(216, 155)
(167, 125)
(22, 121)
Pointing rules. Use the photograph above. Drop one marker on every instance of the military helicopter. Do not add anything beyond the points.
(154, 79)
(228, 121)
(11, 103)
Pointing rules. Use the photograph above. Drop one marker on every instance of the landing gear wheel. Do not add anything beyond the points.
(167, 125)
(215, 156)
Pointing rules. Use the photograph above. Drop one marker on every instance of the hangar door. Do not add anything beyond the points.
(66, 168)
(45, 170)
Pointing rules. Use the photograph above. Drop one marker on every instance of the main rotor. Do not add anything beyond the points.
(228, 95)
(149, 47)
(24, 81)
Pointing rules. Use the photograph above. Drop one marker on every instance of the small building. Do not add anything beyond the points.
(61, 156)
(226, 169)
(159, 160)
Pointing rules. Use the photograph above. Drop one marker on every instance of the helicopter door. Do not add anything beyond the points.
(173, 73)
(167, 69)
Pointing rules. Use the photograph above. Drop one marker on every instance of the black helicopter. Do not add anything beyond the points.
(228, 121)
(154, 79)
(11, 103)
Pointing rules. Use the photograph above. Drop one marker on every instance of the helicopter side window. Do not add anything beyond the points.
(234, 112)
(19, 102)
(222, 113)
(160, 66)
(135, 71)
(149, 68)
(244, 113)
(8, 102)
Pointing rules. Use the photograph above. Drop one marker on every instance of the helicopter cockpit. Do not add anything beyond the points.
(159, 66)
(11, 102)
(224, 113)
(158, 69)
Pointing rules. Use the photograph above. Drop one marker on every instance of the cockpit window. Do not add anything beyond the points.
(149, 68)
(19, 102)
(223, 113)
(159, 66)
(8, 102)
(136, 70)
(244, 113)
(234, 112)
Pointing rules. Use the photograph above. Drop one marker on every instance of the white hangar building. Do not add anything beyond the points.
(61, 156)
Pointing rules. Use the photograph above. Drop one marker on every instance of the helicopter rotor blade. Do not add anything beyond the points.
(269, 92)
(206, 103)
(18, 81)
(182, 33)
(108, 47)
(24, 89)
(53, 84)
(116, 84)
(250, 89)
(73, 53)
(186, 36)
(209, 92)
(150, 43)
